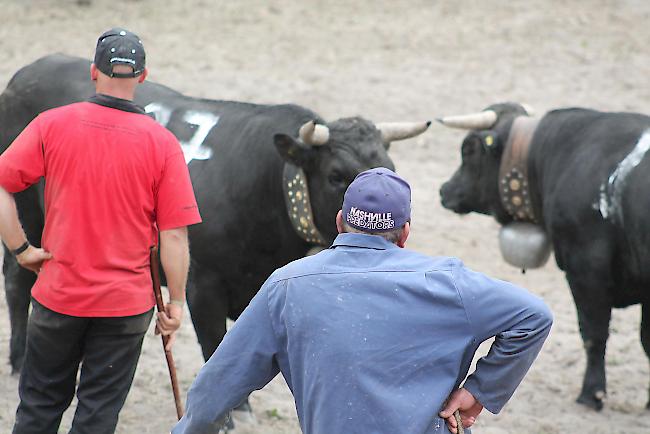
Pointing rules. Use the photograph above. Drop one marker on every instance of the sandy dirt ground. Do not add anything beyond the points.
(390, 60)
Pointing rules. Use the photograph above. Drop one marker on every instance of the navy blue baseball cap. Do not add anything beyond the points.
(119, 46)
(378, 200)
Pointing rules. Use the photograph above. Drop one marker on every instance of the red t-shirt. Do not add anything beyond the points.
(112, 178)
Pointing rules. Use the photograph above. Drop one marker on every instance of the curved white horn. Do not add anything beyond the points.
(529, 110)
(474, 121)
(314, 134)
(391, 131)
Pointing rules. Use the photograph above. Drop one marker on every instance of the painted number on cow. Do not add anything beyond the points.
(193, 148)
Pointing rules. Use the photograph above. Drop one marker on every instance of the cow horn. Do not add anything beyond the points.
(314, 134)
(391, 131)
(530, 111)
(474, 121)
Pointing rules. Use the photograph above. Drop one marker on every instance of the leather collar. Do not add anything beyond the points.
(296, 199)
(514, 184)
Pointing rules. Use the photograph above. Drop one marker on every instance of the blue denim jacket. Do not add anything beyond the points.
(371, 339)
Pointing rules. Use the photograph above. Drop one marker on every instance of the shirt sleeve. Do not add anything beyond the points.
(520, 323)
(175, 202)
(23, 163)
(244, 361)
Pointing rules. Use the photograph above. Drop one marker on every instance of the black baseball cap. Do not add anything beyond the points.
(119, 46)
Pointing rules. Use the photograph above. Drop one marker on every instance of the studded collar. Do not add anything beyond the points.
(514, 185)
(296, 199)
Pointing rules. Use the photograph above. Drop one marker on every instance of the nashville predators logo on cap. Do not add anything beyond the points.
(374, 221)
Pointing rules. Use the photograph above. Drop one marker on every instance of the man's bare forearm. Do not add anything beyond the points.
(11, 231)
(175, 259)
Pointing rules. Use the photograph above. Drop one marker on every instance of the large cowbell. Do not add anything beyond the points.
(524, 245)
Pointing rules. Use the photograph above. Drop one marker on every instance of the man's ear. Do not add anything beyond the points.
(143, 76)
(93, 72)
(339, 222)
(292, 150)
(401, 242)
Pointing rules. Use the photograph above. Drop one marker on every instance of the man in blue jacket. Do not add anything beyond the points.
(373, 338)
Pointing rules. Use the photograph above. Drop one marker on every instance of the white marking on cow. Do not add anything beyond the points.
(161, 113)
(193, 148)
(611, 193)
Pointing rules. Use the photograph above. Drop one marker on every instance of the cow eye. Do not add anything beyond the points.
(336, 179)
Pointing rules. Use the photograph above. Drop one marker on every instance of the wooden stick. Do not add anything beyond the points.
(155, 277)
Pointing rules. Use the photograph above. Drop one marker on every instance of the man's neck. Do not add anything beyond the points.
(121, 93)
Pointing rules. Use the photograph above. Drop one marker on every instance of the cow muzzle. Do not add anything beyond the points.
(451, 199)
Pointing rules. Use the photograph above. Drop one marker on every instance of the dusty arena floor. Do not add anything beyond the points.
(387, 61)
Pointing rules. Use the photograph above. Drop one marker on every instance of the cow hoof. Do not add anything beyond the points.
(15, 370)
(243, 415)
(230, 424)
(595, 401)
(240, 416)
(244, 406)
(16, 363)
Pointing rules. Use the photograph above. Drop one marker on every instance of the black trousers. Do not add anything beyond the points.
(108, 350)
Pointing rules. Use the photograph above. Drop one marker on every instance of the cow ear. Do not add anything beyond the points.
(292, 150)
(490, 140)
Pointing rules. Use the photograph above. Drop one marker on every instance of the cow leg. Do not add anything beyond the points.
(18, 280)
(207, 300)
(594, 313)
(645, 334)
(208, 304)
(18, 284)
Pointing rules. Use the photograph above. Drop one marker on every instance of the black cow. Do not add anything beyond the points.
(255, 170)
(584, 182)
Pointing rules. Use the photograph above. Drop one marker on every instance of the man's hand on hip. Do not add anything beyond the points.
(468, 407)
(33, 258)
(168, 322)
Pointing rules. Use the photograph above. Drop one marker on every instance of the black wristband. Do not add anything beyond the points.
(20, 249)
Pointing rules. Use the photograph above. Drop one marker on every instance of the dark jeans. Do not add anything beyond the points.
(108, 350)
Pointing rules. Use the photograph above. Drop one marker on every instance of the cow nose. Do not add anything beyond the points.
(448, 196)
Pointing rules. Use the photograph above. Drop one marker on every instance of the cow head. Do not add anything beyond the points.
(474, 185)
(332, 155)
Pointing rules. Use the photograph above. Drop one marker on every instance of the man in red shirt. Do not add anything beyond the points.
(114, 178)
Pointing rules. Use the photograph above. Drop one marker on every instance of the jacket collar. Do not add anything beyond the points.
(363, 241)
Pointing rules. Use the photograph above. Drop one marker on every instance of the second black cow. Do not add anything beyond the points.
(581, 175)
